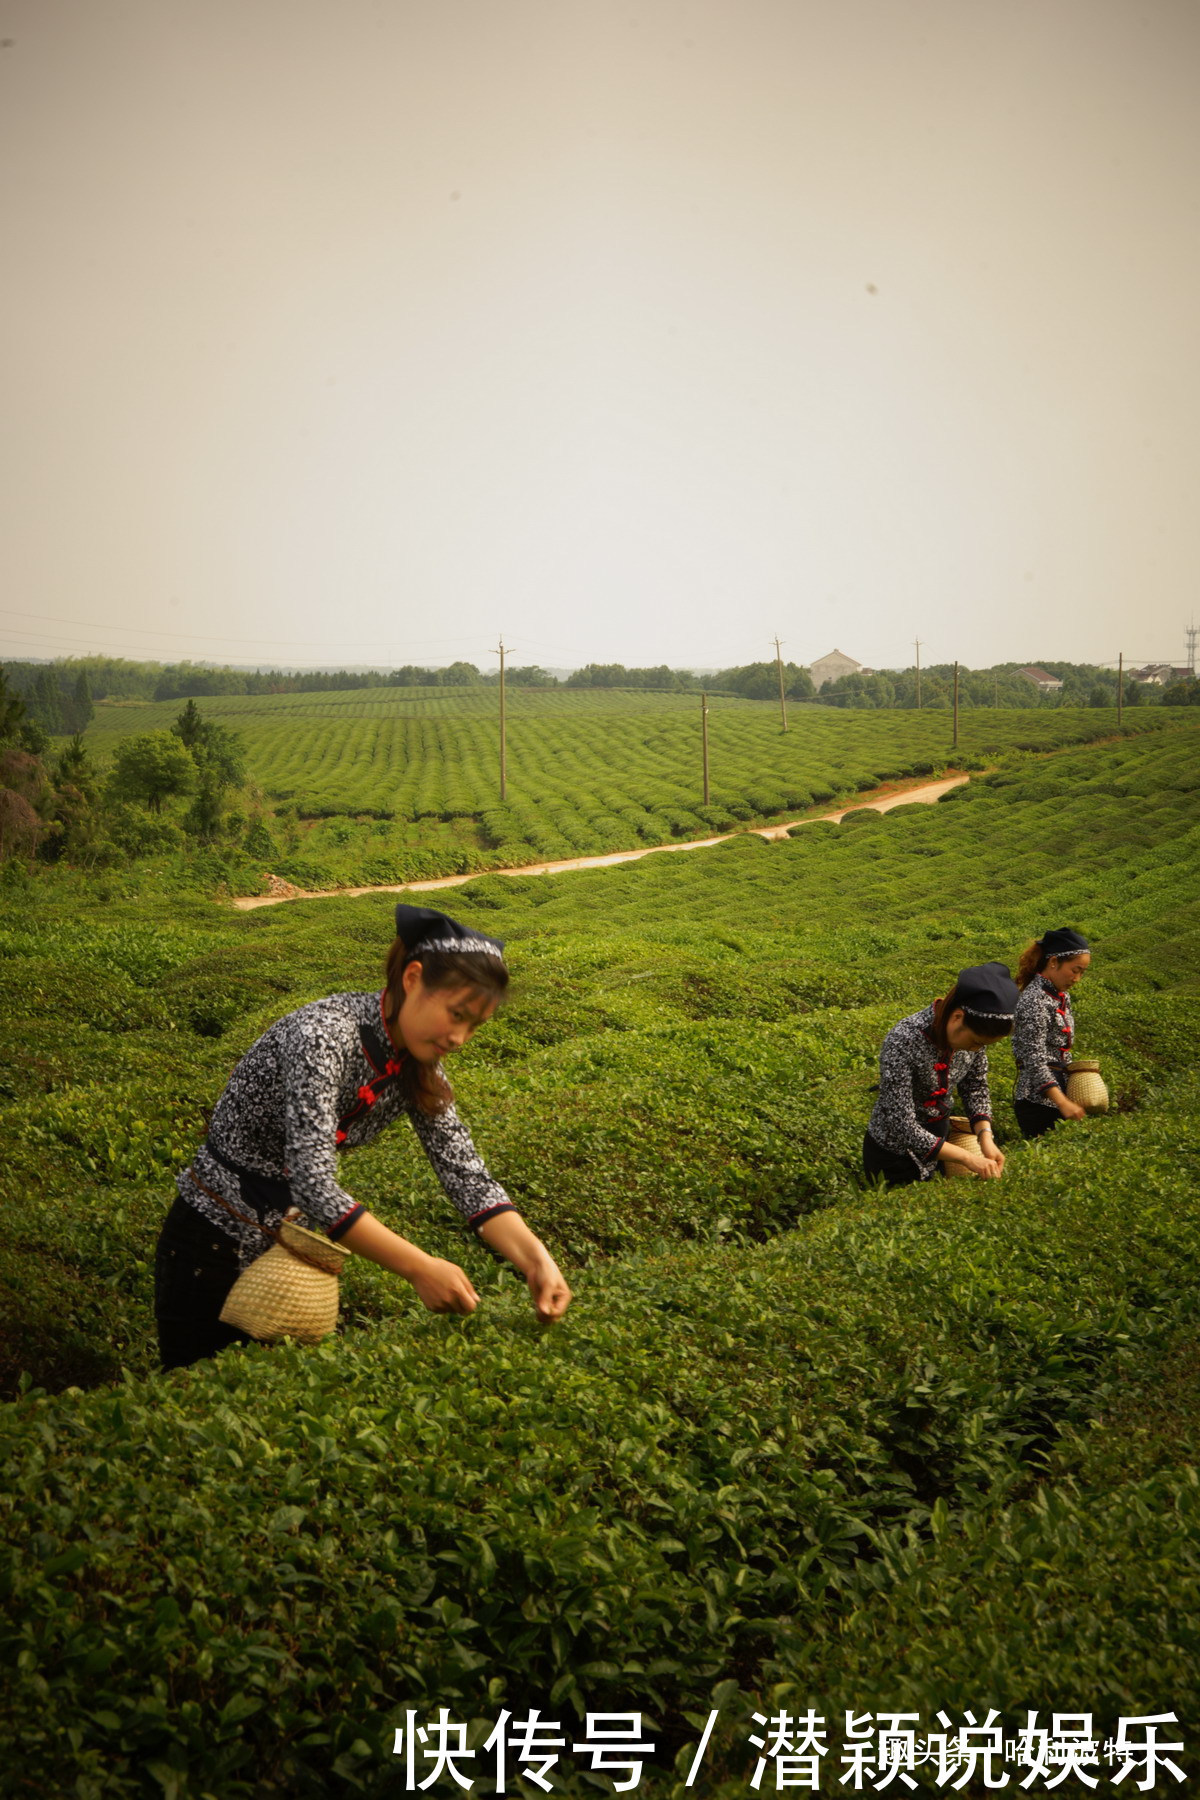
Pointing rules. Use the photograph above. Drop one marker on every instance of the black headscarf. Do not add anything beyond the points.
(987, 991)
(1063, 942)
(421, 928)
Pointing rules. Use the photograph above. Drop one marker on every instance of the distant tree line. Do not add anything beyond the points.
(47, 688)
(1083, 684)
(59, 697)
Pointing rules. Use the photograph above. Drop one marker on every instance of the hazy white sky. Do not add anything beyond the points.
(368, 330)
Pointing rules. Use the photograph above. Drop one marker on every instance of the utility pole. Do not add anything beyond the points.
(782, 702)
(503, 739)
(1192, 631)
(704, 740)
(956, 706)
(1120, 687)
(917, 645)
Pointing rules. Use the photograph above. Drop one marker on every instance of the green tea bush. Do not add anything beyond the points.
(728, 1460)
(589, 770)
(207, 996)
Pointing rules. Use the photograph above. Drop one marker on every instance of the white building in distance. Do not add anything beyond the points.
(832, 668)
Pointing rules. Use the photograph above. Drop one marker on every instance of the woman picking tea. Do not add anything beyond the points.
(1045, 1029)
(325, 1079)
(923, 1059)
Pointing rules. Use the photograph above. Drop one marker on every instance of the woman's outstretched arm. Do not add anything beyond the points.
(509, 1235)
(442, 1286)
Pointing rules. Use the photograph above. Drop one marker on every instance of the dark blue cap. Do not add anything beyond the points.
(1064, 942)
(987, 991)
(423, 929)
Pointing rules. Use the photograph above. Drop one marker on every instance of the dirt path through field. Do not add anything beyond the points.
(886, 797)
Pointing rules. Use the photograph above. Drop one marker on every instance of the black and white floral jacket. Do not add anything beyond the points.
(320, 1080)
(1043, 1033)
(915, 1087)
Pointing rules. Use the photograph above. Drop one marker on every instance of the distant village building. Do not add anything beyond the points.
(1160, 674)
(1042, 680)
(833, 667)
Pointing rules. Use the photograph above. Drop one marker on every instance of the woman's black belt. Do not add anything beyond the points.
(262, 1193)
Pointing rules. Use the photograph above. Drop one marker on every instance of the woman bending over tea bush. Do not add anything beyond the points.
(923, 1059)
(1045, 1029)
(328, 1078)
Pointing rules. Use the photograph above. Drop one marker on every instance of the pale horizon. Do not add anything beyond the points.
(364, 334)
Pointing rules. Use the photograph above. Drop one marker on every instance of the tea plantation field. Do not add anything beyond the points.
(798, 1444)
(390, 784)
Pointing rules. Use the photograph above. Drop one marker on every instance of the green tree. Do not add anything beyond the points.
(47, 701)
(529, 675)
(217, 752)
(190, 725)
(760, 681)
(33, 736)
(258, 840)
(152, 766)
(75, 807)
(219, 757)
(76, 766)
(12, 710)
(861, 691)
(660, 679)
(76, 706)
(203, 816)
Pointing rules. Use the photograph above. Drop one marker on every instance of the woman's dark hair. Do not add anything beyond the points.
(1035, 959)
(423, 1084)
(987, 1025)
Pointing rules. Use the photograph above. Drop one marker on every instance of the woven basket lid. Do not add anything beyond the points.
(312, 1248)
(1078, 1067)
(963, 1127)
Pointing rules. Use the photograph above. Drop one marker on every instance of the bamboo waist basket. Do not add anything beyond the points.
(290, 1291)
(1085, 1087)
(960, 1134)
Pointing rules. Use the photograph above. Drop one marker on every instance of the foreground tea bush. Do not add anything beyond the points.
(760, 1463)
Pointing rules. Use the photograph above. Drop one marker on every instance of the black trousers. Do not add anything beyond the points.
(195, 1265)
(1034, 1119)
(896, 1170)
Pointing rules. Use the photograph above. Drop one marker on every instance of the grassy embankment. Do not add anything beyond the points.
(796, 1442)
(398, 784)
